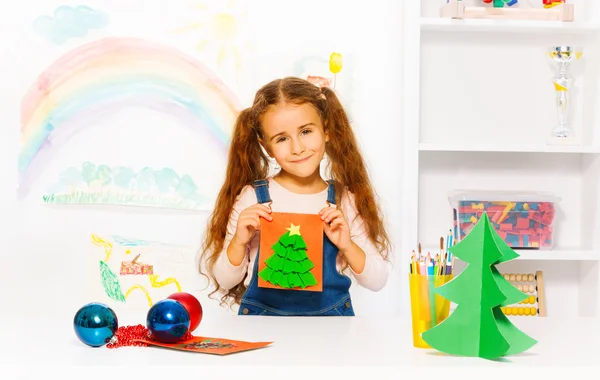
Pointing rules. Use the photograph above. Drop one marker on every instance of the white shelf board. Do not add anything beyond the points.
(560, 255)
(541, 254)
(510, 148)
(438, 24)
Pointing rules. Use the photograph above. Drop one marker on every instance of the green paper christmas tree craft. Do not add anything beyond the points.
(289, 266)
(478, 327)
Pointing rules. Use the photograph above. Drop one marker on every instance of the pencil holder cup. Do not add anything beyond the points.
(427, 308)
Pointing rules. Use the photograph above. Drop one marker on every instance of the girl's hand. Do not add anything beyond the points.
(249, 221)
(336, 227)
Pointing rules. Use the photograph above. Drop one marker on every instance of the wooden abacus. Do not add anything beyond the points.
(531, 284)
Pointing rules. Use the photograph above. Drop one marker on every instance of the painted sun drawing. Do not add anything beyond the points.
(220, 27)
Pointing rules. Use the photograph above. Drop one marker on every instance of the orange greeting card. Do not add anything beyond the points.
(205, 345)
(291, 252)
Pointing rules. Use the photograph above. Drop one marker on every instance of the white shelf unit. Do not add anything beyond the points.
(515, 148)
(478, 110)
(437, 24)
(573, 255)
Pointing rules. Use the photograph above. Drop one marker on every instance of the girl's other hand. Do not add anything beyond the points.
(336, 227)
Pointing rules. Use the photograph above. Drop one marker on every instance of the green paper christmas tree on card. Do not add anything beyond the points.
(478, 327)
(289, 266)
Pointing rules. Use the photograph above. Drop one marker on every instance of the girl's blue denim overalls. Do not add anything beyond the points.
(333, 300)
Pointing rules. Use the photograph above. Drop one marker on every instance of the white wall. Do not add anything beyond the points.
(47, 254)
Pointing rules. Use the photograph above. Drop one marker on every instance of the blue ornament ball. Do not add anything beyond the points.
(95, 324)
(168, 321)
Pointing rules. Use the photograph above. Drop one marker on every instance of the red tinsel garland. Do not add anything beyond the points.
(128, 335)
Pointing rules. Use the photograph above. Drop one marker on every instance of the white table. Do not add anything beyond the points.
(332, 344)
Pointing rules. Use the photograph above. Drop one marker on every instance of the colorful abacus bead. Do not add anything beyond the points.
(514, 310)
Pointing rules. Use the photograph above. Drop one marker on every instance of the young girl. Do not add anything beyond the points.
(296, 123)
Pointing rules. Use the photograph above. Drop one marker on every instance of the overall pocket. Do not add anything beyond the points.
(343, 310)
(247, 309)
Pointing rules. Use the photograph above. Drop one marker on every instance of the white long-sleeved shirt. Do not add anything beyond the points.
(375, 273)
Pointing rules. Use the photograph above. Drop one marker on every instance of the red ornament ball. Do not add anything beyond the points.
(192, 305)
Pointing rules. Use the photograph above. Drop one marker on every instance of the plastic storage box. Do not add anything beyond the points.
(522, 219)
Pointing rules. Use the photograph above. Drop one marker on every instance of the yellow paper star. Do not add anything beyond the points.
(294, 230)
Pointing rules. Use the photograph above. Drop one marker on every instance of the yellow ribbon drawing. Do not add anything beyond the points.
(167, 281)
(97, 240)
(140, 287)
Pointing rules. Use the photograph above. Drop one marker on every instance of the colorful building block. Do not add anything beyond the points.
(519, 224)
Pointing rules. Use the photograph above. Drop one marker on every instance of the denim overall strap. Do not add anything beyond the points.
(261, 188)
(333, 300)
(330, 191)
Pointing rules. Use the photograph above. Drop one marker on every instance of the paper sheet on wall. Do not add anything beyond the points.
(140, 272)
(95, 85)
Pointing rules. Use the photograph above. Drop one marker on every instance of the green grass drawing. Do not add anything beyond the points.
(121, 185)
(112, 197)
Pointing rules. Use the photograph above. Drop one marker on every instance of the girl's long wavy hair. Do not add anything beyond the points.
(248, 162)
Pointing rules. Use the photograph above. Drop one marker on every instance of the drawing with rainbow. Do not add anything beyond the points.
(104, 76)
